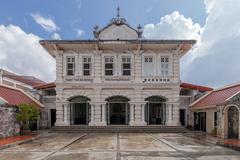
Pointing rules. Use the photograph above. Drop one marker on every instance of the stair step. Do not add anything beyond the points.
(118, 129)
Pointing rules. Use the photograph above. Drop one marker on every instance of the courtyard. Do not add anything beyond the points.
(120, 146)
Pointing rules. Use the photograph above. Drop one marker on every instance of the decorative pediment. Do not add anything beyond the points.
(234, 99)
(118, 29)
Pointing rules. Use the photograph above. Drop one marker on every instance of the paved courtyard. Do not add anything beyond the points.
(122, 146)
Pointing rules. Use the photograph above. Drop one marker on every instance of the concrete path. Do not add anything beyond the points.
(122, 146)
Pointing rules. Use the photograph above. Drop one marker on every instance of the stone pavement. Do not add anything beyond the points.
(120, 146)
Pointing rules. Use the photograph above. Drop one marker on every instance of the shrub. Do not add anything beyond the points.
(27, 115)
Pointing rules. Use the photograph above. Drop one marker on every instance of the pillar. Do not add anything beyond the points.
(172, 114)
(98, 114)
(138, 115)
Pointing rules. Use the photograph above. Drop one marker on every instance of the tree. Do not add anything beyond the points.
(27, 115)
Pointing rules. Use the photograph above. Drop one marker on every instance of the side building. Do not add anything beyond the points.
(118, 78)
(218, 112)
(188, 94)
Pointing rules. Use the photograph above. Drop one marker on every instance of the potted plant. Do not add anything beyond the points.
(27, 116)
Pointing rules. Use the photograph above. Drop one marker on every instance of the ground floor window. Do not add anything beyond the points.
(155, 110)
(118, 110)
(80, 110)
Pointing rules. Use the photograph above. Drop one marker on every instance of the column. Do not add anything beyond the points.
(61, 115)
(132, 108)
(104, 115)
(98, 115)
(91, 123)
(169, 114)
(173, 115)
(138, 115)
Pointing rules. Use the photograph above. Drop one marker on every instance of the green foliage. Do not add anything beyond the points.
(27, 115)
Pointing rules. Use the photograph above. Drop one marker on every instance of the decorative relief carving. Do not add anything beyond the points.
(79, 79)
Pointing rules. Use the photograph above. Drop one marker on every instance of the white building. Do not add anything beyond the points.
(117, 78)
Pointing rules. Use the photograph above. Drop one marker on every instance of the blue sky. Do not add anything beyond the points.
(71, 15)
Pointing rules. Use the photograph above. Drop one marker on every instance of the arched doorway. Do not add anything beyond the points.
(80, 110)
(233, 122)
(117, 110)
(155, 110)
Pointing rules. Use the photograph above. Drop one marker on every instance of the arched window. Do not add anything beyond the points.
(156, 99)
(117, 99)
(79, 99)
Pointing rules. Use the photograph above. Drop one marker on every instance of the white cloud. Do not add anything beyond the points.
(47, 23)
(21, 52)
(216, 61)
(79, 32)
(173, 26)
(56, 36)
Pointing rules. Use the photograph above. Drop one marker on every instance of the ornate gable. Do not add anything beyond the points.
(118, 29)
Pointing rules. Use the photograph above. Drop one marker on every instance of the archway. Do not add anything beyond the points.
(233, 122)
(155, 110)
(117, 110)
(80, 110)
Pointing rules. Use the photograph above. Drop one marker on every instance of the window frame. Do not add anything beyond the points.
(113, 67)
(89, 62)
(74, 65)
(165, 71)
(128, 61)
(153, 61)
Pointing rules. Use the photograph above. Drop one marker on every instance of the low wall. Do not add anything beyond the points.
(8, 124)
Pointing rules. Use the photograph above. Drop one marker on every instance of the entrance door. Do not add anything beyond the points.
(182, 117)
(200, 121)
(117, 113)
(80, 113)
(155, 113)
(233, 123)
(53, 116)
(117, 110)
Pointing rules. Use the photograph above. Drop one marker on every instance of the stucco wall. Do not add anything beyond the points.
(8, 124)
(210, 120)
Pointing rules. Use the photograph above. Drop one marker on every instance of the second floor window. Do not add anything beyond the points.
(148, 66)
(87, 66)
(126, 66)
(165, 66)
(109, 66)
(70, 66)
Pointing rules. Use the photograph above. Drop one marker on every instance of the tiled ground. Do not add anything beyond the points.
(122, 146)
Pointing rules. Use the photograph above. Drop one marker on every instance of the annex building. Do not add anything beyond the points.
(117, 78)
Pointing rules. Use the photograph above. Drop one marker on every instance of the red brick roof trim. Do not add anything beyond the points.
(195, 87)
(16, 96)
(216, 97)
(45, 86)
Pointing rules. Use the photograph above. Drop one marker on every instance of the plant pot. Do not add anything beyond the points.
(25, 132)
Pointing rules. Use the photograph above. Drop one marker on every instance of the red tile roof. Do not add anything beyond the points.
(216, 97)
(29, 80)
(15, 96)
(45, 86)
(195, 87)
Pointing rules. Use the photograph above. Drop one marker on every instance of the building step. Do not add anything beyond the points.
(118, 129)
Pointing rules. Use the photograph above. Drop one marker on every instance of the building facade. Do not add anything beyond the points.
(118, 78)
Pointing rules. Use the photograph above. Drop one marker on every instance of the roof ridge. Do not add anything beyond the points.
(228, 86)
